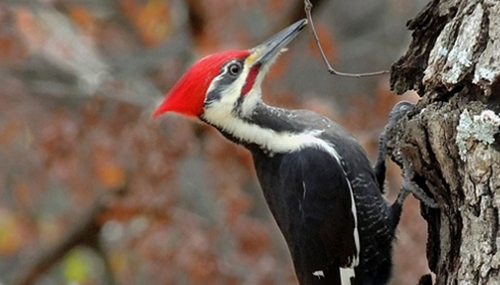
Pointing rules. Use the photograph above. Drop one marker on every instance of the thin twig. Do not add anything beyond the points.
(307, 8)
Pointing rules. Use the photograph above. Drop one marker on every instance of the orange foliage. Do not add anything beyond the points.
(152, 20)
(83, 18)
(28, 27)
(23, 195)
(11, 48)
(10, 233)
(275, 6)
(9, 131)
(111, 176)
(252, 235)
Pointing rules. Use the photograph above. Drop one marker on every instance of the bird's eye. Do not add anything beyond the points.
(234, 69)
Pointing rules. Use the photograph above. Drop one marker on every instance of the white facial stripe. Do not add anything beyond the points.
(231, 94)
(214, 82)
(250, 101)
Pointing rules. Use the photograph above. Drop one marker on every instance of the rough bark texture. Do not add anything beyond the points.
(452, 137)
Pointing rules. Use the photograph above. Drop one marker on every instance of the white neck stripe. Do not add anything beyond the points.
(267, 139)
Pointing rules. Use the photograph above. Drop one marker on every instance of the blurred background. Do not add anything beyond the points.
(93, 191)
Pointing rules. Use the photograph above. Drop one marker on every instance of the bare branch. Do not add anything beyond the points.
(307, 8)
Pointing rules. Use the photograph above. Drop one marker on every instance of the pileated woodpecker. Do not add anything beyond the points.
(316, 178)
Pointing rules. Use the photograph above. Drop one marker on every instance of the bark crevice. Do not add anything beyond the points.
(454, 65)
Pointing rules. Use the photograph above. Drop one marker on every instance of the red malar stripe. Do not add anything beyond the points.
(252, 75)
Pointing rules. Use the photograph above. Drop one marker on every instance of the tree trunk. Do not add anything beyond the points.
(452, 137)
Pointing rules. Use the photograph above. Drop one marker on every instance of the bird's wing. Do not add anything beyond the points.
(327, 244)
(328, 207)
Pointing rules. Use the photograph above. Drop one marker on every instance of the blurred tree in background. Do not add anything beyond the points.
(94, 192)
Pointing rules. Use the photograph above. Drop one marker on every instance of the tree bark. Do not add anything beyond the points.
(452, 136)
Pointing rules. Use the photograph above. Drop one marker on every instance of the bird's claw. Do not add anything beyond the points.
(419, 193)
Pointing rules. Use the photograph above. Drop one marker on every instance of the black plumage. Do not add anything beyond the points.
(308, 193)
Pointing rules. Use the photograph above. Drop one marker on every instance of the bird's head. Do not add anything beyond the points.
(227, 83)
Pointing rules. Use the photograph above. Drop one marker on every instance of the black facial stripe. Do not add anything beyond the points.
(237, 106)
(213, 96)
(221, 82)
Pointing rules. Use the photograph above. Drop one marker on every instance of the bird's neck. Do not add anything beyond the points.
(270, 129)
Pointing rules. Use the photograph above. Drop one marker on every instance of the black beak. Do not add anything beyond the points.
(268, 50)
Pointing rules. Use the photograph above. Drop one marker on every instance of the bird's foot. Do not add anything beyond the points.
(412, 187)
(397, 112)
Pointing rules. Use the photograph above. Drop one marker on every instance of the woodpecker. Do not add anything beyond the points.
(316, 178)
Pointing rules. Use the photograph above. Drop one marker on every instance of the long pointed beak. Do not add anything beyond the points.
(268, 50)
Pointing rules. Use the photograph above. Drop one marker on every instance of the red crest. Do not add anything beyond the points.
(188, 94)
